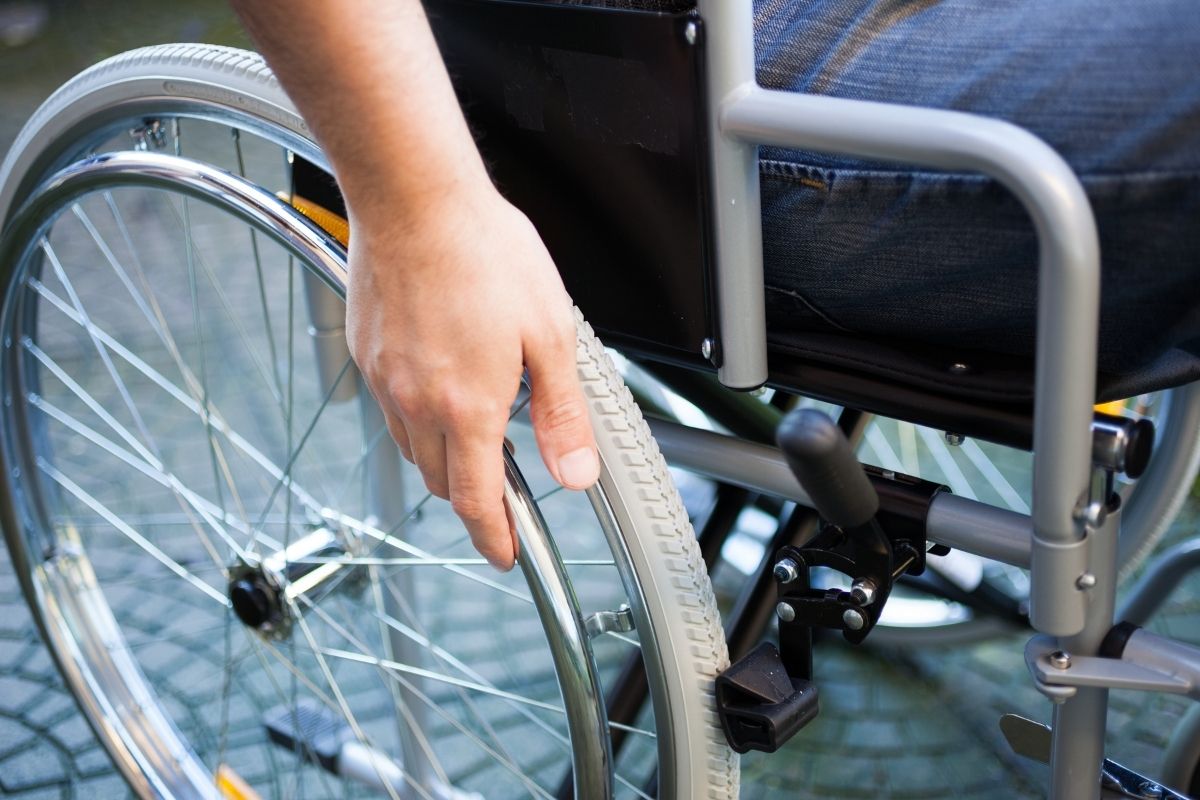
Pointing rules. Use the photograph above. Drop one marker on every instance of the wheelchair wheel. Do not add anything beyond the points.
(245, 592)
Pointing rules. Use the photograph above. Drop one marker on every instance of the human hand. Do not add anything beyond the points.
(447, 307)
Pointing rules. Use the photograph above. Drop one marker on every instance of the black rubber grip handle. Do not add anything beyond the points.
(819, 455)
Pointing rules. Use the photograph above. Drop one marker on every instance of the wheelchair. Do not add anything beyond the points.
(246, 592)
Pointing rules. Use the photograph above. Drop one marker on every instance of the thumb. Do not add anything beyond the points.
(560, 420)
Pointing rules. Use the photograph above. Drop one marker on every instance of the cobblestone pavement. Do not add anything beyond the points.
(895, 723)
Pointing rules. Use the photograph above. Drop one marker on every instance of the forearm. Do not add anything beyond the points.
(368, 78)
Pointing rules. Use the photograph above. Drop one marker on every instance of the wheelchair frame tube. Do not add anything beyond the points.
(741, 353)
(1069, 263)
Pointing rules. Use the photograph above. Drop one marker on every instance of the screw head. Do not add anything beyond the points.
(706, 348)
(954, 439)
(785, 612)
(854, 619)
(959, 368)
(786, 570)
(1085, 581)
(690, 32)
(1059, 659)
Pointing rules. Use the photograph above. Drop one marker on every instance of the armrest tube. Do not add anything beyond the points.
(1069, 257)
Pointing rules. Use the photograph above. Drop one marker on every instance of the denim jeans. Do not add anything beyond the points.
(883, 250)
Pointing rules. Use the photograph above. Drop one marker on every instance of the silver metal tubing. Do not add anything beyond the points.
(242, 199)
(1069, 275)
(974, 527)
(1156, 585)
(1069, 261)
(728, 459)
(1077, 752)
(741, 312)
(953, 521)
(587, 722)
(1165, 655)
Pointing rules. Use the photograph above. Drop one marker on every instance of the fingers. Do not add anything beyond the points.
(476, 481)
(467, 470)
(560, 415)
(399, 435)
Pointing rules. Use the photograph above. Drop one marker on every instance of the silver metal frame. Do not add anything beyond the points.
(1067, 535)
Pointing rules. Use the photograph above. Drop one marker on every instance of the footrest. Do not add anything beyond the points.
(760, 706)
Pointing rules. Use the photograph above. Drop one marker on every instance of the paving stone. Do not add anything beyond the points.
(32, 766)
(14, 735)
(92, 760)
(50, 707)
(17, 692)
(73, 733)
(60, 791)
(106, 787)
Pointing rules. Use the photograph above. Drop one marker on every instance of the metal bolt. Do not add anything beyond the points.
(863, 592)
(786, 570)
(785, 612)
(690, 32)
(1085, 581)
(959, 368)
(706, 348)
(1150, 790)
(1059, 660)
(954, 439)
(854, 619)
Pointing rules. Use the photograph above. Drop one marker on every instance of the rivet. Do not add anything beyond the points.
(1085, 581)
(706, 348)
(854, 619)
(785, 612)
(690, 32)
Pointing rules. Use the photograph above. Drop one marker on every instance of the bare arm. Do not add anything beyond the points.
(451, 292)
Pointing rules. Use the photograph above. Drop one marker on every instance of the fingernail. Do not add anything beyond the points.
(579, 469)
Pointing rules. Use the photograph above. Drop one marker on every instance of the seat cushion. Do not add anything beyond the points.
(887, 252)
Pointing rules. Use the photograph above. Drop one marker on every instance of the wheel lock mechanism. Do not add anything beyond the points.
(873, 532)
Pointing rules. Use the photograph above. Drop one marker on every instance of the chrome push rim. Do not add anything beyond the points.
(88, 640)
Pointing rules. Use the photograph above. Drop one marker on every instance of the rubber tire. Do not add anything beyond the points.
(662, 548)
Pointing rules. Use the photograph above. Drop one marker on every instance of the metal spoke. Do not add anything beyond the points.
(349, 717)
(258, 271)
(101, 350)
(404, 546)
(937, 447)
(398, 676)
(393, 688)
(199, 335)
(158, 555)
(993, 475)
(285, 477)
(207, 413)
(150, 468)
